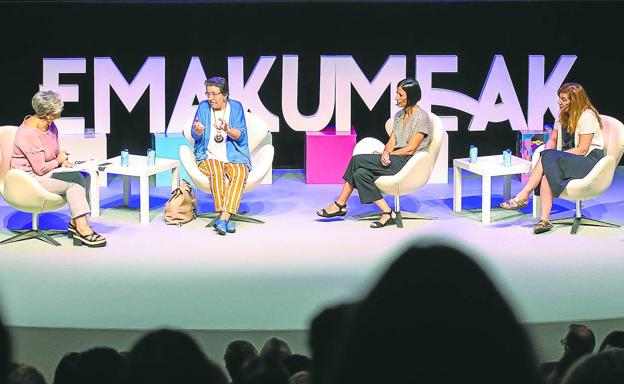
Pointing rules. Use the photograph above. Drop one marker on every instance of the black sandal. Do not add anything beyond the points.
(71, 230)
(390, 221)
(93, 239)
(342, 211)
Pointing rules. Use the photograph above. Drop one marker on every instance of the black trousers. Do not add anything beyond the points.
(363, 170)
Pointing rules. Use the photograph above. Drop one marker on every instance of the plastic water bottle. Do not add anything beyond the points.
(125, 157)
(473, 154)
(507, 158)
(151, 157)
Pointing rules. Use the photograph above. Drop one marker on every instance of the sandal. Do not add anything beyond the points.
(390, 221)
(342, 211)
(93, 239)
(514, 203)
(542, 226)
(71, 230)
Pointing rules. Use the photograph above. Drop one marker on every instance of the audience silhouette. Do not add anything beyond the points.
(434, 316)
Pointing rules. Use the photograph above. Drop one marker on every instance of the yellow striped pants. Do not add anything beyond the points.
(227, 182)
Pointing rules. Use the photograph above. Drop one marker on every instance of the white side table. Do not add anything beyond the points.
(486, 167)
(138, 168)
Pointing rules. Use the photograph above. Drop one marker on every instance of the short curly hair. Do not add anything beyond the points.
(47, 103)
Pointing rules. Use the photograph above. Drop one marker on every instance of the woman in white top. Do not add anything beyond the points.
(579, 129)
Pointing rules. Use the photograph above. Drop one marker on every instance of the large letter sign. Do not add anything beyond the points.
(247, 92)
(52, 68)
(349, 73)
(337, 76)
(543, 96)
(290, 83)
(107, 76)
(192, 88)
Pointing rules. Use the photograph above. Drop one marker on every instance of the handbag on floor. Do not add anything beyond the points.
(181, 206)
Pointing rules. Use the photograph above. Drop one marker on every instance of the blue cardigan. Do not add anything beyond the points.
(237, 151)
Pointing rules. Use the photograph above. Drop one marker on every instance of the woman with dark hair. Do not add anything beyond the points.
(579, 129)
(411, 131)
(221, 150)
(433, 317)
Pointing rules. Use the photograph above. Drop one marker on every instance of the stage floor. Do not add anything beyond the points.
(279, 274)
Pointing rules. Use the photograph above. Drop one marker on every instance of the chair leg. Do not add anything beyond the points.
(578, 219)
(42, 235)
(368, 216)
(576, 222)
(244, 218)
(400, 217)
(214, 216)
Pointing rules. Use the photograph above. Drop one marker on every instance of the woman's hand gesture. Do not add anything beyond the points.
(385, 159)
(61, 157)
(198, 127)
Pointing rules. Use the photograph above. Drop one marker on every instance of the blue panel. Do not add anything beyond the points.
(169, 147)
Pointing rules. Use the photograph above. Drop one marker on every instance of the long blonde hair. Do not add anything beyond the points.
(579, 102)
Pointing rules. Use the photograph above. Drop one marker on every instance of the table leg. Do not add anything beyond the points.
(127, 189)
(144, 198)
(457, 189)
(507, 188)
(94, 193)
(175, 178)
(486, 197)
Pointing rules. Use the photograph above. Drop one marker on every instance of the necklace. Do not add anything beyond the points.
(218, 137)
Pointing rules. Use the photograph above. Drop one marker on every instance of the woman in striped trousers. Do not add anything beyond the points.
(221, 150)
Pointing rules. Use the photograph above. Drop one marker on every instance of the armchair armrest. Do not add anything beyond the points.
(414, 174)
(261, 162)
(187, 158)
(368, 145)
(25, 193)
(595, 183)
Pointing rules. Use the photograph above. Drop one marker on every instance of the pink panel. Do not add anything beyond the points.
(327, 155)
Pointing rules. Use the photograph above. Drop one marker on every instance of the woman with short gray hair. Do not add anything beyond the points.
(37, 152)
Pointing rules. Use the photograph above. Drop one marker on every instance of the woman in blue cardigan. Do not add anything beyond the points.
(221, 150)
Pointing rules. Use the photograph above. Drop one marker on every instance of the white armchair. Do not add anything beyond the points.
(412, 176)
(261, 161)
(596, 182)
(25, 194)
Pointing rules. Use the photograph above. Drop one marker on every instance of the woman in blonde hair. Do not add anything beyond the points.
(581, 134)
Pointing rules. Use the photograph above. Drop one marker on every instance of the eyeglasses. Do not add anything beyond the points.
(213, 94)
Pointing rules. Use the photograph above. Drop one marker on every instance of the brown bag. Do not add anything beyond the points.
(181, 206)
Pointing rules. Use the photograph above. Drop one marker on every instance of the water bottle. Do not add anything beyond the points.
(507, 158)
(473, 154)
(125, 157)
(151, 157)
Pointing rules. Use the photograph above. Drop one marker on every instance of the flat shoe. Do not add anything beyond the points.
(221, 227)
(542, 226)
(390, 221)
(342, 211)
(512, 204)
(230, 227)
